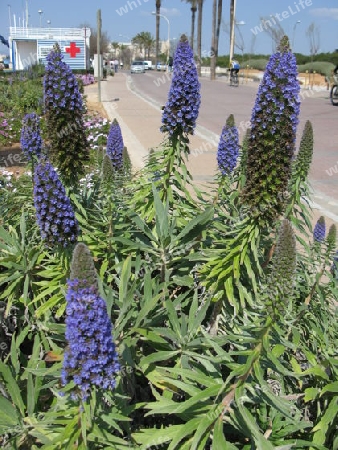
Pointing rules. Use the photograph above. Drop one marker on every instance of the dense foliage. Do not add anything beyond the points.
(178, 320)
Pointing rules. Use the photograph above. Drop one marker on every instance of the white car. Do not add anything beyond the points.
(161, 67)
(137, 67)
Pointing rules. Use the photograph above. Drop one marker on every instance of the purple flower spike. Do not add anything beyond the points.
(228, 147)
(181, 110)
(54, 212)
(273, 135)
(31, 141)
(319, 230)
(90, 359)
(115, 146)
(68, 147)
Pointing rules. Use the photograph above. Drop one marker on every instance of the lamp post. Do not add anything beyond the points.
(48, 23)
(294, 34)
(40, 12)
(165, 18)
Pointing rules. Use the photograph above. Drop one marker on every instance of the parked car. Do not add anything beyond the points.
(137, 67)
(161, 66)
(148, 65)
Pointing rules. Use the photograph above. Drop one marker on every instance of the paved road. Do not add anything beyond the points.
(219, 100)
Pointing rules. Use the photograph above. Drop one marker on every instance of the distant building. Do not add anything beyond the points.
(29, 46)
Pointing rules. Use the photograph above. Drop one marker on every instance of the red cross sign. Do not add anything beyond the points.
(73, 50)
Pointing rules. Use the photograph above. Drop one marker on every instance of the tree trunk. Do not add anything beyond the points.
(199, 36)
(193, 15)
(219, 21)
(213, 42)
(158, 10)
(232, 29)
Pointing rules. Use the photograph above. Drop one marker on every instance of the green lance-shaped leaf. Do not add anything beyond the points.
(82, 268)
(281, 279)
(303, 160)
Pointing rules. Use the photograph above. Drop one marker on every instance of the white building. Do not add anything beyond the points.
(28, 46)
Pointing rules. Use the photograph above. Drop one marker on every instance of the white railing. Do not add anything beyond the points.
(21, 32)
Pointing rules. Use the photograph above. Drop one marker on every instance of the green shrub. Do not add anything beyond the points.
(324, 68)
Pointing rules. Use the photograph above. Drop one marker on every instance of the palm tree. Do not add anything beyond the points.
(193, 8)
(199, 35)
(158, 10)
(115, 46)
(232, 25)
(145, 41)
(218, 27)
(213, 42)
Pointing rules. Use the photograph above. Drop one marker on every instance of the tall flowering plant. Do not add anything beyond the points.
(273, 135)
(181, 110)
(64, 117)
(54, 212)
(31, 141)
(90, 360)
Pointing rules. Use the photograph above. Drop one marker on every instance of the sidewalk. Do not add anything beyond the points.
(140, 122)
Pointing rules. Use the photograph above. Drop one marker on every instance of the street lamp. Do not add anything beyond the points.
(165, 18)
(294, 34)
(48, 23)
(40, 12)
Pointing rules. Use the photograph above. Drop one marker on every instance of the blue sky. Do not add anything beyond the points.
(128, 17)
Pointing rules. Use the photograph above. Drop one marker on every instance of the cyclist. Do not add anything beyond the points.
(234, 68)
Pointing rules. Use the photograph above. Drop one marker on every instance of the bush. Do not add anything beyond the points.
(324, 68)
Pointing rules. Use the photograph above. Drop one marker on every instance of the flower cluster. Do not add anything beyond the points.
(90, 359)
(97, 129)
(319, 230)
(31, 141)
(60, 85)
(6, 179)
(228, 147)
(181, 110)
(115, 145)
(86, 79)
(273, 136)
(55, 215)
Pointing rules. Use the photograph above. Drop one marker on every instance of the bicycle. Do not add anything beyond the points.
(334, 91)
(234, 81)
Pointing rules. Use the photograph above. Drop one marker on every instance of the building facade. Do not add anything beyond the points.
(29, 46)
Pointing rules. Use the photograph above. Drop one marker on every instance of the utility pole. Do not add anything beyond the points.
(232, 29)
(99, 25)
